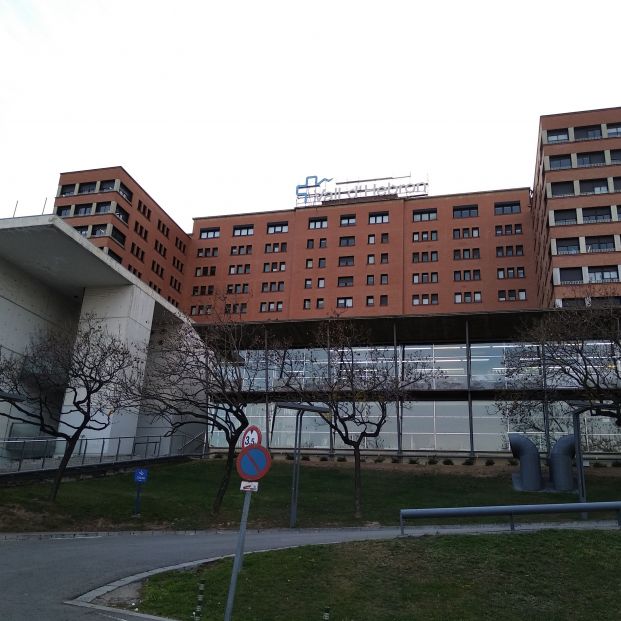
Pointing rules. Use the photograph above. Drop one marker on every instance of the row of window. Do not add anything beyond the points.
(90, 187)
(89, 209)
(467, 211)
(596, 274)
(585, 132)
(584, 160)
(595, 243)
(589, 215)
(586, 187)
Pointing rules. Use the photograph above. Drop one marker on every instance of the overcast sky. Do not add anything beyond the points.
(223, 107)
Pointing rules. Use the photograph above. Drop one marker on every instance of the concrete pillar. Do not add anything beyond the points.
(556, 276)
(579, 216)
(582, 243)
(127, 312)
(614, 214)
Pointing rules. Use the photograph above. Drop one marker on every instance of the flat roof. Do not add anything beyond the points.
(543, 116)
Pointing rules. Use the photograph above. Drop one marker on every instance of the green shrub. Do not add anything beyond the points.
(468, 462)
(447, 462)
(432, 461)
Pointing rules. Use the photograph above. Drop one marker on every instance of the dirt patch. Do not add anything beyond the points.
(127, 597)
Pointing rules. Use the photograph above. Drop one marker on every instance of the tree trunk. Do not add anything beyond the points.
(69, 448)
(226, 476)
(357, 483)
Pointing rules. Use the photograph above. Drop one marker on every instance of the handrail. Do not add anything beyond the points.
(198, 435)
(511, 510)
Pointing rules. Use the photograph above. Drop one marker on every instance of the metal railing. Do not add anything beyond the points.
(45, 453)
(510, 510)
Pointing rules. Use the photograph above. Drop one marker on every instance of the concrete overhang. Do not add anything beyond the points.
(51, 251)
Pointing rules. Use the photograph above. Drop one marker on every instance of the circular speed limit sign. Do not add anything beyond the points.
(251, 436)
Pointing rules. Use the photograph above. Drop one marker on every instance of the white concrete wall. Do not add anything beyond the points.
(127, 312)
(27, 308)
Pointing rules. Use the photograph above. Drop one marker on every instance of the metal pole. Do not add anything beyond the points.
(21, 457)
(118, 448)
(239, 553)
(468, 378)
(85, 449)
(137, 503)
(103, 445)
(546, 411)
(267, 379)
(296, 469)
(397, 391)
(44, 455)
(579, 462)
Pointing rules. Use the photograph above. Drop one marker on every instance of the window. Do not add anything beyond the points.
(243, 269)
(424, 299)
(424, 236)
(563, 217)
(346, 261)
(277, 227)
(121, 214)
(273, 286)
(384, 238)
(344, 302)
(378, 218)
(87, 188)
(370, 259)
(383, 279)
(99, 230)
(424, 257)
(318, 223)
(466, 211)
(309, 264)
(82, 230)
(207, 252)
(321, 303)
(593, 186)
(67, 190)
(592, 158)
(559, 162)
(424, 277)
(588, 132)
(424, 215)
(104, 208)
(595, 214)
(348, 220)
(310, 244)
(206, 271)
(125, 192)
(505, 209)
(238, 250)
(83, 210)
(271, 307)
(384, 257)
(371, 239)
(243, 230)
(466, 254)
(210, 233)
(467, 275)
(117, 236)
(238, 288)
(570, 275)
(467, 297)
(63, 212)
(321, 283)
(567, 245)
(370, 279)
(615, 156)
(601, 243)
(558, 135)
(321, 262)
(107, 186)
(347, 241)
(323, 242)
(604, 273)
(562, 188)
(275, 247)
(370, 300)
(345, 281)
(383, 300)
(614, 130)
(307, 304)
(308, 283)
(118, 259)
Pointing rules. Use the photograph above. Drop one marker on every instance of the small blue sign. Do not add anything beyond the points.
(141, 475)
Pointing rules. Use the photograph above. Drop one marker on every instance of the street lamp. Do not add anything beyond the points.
(299, 408)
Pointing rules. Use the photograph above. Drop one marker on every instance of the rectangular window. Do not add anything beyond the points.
(318, 223)
(345, 281)
(567, 245)
(87, 188)
(210, 233)
(370, 279)
(344, 302)
(308, 283)
(383, 279)
(67, 190)
(103, 207)
(505, 209)
(594, 186)
(380, 217)
(321, 283)
(310, 244)
(371, 239)
(559, 162)
(348, 220)
(424, 215)
(588, 132)
(594, 214)
(307, 304)
(370, 259)
(562, 188)
(83, 210)
(384, 257)
(614, 130)
(466, 211)
(384, 237)
(125, 192)
(347, 241)
(564, 217)
(243, 230)
(601, 243)
(277, 227)
(558, 135)
(370, 300)
(63, 212)
(321, 262)
(425, 236)
(118, 236)
(321, 303)
(323, 242)
(592, 158)
(346, 261)
(383, 300)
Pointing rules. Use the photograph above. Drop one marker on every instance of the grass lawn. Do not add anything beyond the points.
(548, 575)
(179, 496)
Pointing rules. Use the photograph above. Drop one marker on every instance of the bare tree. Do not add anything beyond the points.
(68, 381)
(357, 383)
(208, 377)
(567, 354)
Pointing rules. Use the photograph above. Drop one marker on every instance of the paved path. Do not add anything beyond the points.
(37, 575)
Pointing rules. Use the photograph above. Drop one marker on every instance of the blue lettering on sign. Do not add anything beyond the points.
(141, 475)
(312, 181)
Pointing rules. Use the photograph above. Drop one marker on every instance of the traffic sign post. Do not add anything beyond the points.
(140, 476)
(252, 464)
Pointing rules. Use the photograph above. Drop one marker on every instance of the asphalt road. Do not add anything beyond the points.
(38, 575)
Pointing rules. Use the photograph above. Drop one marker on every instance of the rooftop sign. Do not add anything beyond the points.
(316, 191)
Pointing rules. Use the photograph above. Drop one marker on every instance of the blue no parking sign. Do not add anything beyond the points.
(253, 462)
(141, 475)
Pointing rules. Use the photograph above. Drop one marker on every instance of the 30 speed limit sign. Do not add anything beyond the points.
(251, 436)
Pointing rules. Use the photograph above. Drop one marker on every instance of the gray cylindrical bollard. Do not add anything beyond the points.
(530, 466)
(561, 470)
